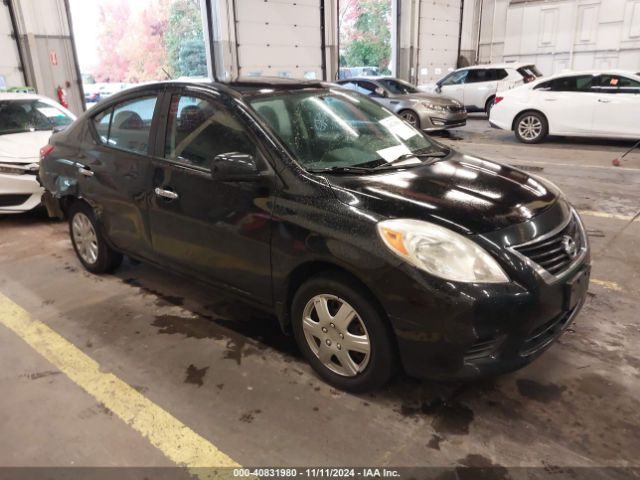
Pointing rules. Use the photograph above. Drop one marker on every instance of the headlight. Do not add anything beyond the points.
(437, 108)
(440, 251)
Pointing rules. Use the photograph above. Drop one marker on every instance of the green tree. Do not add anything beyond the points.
(184, 39)
(371, 35)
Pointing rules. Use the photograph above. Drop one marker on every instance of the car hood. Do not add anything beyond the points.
(22, 147)
(431, 98)
(464, 193)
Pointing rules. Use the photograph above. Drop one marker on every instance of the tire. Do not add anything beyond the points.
(489, 105)
(531, 127)
(88, 241)
(350, 369)
(411, 118)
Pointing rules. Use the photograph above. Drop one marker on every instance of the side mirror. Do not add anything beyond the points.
(438, 88)
(380, 92)
(235, 166)
(59, 128)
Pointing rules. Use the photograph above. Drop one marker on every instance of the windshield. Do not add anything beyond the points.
(398, 87)
(18, 116)
(332, 128)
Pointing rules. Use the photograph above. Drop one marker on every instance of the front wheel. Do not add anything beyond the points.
(531, 127)
(342, 334)
(89, 244)
(411, 118)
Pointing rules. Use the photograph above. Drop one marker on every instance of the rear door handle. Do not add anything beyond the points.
(602, 100)
(85, 171)
(550, 99)
(168, 194)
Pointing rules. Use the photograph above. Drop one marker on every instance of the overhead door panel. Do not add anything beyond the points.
(280, 38)
(10, 73)
(438, 38)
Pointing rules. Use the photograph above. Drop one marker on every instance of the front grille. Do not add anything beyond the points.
(551, 253)
(455, 108)
(13, 200)
(543, 335)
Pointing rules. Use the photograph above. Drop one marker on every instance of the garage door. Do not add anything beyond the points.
(280, 38)
(10, 74)
(438, 38)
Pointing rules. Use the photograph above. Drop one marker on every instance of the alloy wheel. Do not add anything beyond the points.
(85, 238)
(336, 335)
(530, 127)
(410, 118)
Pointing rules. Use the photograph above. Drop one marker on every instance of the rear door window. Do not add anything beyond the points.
(478, 75)
(574, 83)
(127, 126)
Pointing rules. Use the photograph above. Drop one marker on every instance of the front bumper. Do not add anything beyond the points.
(431, 120)
(448, 330)
(19, 193)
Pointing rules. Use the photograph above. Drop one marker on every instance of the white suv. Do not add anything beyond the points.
(475, 87)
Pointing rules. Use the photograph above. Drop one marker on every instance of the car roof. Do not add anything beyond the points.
(513, 65)
(22, 96)
(238, 88)
(608, 71)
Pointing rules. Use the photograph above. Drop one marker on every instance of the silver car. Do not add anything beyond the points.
(425, 111)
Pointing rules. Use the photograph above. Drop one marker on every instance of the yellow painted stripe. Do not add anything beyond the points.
(173, 438)
(607, 284)
(616, 216)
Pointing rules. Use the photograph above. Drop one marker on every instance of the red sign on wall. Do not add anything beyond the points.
(54, 57)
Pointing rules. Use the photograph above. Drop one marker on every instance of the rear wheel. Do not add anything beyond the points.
(411, 118)
(88, 241)
(342, 334)
(531, 127)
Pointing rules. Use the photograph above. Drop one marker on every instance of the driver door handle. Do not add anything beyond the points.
(168, 194)
(603, 100)
(85, 171)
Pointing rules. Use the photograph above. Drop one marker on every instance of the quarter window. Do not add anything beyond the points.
(198, 130)
(127, 126)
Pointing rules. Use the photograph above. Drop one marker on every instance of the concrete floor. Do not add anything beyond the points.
(226, 372)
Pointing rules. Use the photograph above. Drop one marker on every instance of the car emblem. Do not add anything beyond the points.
(569, 246)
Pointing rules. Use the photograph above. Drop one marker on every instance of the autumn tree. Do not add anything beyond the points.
(186, 55)
(369, 41)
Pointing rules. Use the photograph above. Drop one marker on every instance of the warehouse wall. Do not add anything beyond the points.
(10, 65)
(44, 36)
(560, 34)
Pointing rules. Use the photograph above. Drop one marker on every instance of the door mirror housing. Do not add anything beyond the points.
(438, 88)
(235, 166)
(381, 92)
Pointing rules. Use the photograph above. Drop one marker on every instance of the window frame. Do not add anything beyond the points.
(112, 104)
(264, 160)
(602, 90)
(540, 86)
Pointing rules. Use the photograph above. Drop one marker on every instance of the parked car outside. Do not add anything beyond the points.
(476, 87)
(26, 123)
(422, 110)
(604, 104)
(374, 244)
(347, 72)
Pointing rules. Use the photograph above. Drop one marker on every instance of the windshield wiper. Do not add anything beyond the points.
(435, 156)
(340, 170)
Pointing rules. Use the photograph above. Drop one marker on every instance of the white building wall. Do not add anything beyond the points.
(10, 68)
(560, 34)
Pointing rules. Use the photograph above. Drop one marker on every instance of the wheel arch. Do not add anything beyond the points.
(312, 268)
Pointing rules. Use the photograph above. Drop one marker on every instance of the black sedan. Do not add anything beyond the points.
(376, 246)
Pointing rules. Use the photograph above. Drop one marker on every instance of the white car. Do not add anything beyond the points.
(579, 104)
(26, 123)
(475, 87)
